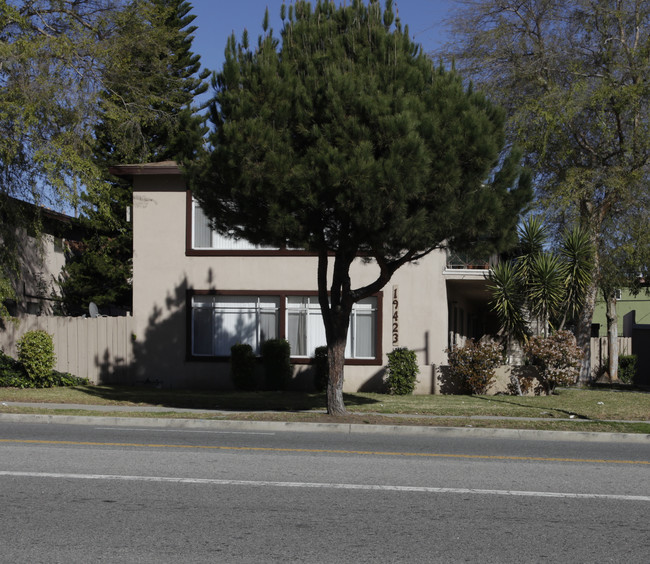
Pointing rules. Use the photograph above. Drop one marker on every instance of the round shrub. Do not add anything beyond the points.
(36, 354)
(242, 367)
(321, 369)
(276, 355)
(402, 372)
(558, 358)
(474, 365)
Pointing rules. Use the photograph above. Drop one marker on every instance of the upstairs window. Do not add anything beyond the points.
(204, 238)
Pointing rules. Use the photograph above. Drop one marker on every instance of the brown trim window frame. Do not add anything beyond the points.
(279, 297)
(191, 251)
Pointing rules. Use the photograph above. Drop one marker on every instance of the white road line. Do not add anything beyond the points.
(316, 485)
(150, 430)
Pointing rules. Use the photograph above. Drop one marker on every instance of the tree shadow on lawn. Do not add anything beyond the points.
(223, 401)
(511, 400)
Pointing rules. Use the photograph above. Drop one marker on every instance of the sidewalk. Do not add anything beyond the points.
(234, 425)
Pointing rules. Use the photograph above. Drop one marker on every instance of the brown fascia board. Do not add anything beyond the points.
(146, 169)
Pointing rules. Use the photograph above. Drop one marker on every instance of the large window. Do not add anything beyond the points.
(305, 329)
(206, 238)
(220, 321)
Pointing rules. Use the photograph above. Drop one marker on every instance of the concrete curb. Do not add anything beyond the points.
(340, 428)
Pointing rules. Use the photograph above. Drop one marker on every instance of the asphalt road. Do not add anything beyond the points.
(101, 493)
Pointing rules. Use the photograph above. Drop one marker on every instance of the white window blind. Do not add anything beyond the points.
(219, 322)
(206, 238)
(306, 331)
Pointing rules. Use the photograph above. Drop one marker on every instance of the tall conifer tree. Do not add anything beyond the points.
(344, 139)
(157, 81)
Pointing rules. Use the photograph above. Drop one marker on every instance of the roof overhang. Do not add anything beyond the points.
(167, 168)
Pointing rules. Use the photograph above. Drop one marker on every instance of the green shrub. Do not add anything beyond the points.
(402, 372)
(60, 379)
(242, 367)
(321, 369)
(558, 358)
(474, 365)
(276, 357)
(627, 368)
(36, 354)
(13, 375)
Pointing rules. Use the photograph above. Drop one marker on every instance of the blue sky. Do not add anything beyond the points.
(217, 19)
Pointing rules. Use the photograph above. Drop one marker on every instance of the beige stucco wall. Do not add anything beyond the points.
(41, 260)
(162, 274)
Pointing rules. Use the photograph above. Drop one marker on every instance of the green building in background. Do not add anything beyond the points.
(625, 303)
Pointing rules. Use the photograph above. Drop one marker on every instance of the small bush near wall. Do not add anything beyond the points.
(321, 369)
(36, 354)
(13, 375)
(558, 358)
(276, 355)
(521, 381)
(11, 372)
(242, 367)
(627, 368)
(474, 365)
(402, 372)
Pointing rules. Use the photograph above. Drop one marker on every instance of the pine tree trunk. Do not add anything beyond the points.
(336, 361)
(336, 311)
(612, 338)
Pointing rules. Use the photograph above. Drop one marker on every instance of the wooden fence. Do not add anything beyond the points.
(599, 354)
(99, 348)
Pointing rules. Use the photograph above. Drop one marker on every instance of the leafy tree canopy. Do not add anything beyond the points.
(160, 88)
(343, 138)
(69, 65)
(574, 76)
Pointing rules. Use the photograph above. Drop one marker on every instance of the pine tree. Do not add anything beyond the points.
(147, 115)
(344, 139)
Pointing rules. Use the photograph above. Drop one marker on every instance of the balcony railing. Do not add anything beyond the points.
(458, 261)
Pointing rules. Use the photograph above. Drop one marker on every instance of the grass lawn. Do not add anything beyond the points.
(585, 409)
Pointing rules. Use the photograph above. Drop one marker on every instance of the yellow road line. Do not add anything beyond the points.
(328, 451)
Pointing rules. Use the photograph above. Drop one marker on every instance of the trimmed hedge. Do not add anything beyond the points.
(402, 372)
(36, 354)
(321, 369)
(242, 367)
(276, 357)
(627, 368)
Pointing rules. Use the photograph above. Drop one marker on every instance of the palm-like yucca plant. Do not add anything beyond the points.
(508, 300)
(577, 254)
(538, 284)
(532, 238)
(545, 291)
